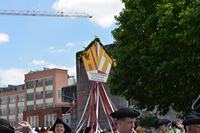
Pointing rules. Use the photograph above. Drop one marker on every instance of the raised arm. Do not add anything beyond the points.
(25, 124)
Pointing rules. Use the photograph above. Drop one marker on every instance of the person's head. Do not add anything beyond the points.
(5, 126)
(60, 127)
(37, 129)
(87, 129)
(126, 124)
(192, 123)
(173, 125)
(82, 131)
(193, 128)
(126, 118)
(160, 125)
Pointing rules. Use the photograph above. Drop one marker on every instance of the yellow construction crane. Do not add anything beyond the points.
(43, 13)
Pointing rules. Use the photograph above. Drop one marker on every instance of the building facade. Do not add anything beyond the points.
(38, 101)
(12, 103)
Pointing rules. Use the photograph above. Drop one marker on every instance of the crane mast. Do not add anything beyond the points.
(43, 13)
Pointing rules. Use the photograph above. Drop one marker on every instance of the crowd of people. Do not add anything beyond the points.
(126, 118)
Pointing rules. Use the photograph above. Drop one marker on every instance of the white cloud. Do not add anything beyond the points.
(4, 38)
(58, 51)
(12, 76)
(86, 43)
(71, 70)
(39, 62)
(102, 11)
(50, 48)
(53, 50)
(15, 76)
(70, 44)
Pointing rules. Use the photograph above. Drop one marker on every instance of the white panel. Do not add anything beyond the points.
(11, 117)
(29, 91)
(71, 81)
(39, 89)
(20, 115)
(39, 101)
(108, 68)
(4, 117)
(3, 106)
(12, 105)
(50, 87)
(49, 100)
(29, 102)
(101, 63)
(20, 104)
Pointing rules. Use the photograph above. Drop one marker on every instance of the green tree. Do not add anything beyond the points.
(158, 54)
(146, 122)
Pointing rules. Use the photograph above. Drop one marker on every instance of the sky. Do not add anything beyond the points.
(34, 42)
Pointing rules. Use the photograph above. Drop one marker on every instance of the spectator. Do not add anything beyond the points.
(60, 127)
(5, 126)
(174, 128)
(160, 125)
(192, 123)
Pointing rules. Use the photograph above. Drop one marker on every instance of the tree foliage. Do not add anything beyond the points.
(158, 54)
(146, 122)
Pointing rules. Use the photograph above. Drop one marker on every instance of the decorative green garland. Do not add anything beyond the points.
(86, 54)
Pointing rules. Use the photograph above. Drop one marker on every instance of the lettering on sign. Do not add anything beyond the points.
(97, 76)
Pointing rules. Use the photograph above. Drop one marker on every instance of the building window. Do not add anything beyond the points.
(49, 81)
(20, 120)
(30, 96)
(20, 87)
(59, 93)
(3, 100)
(30, 107)
(3, 112)
(39, 106)
(12, 122)
(49, 119)
(49, 105)
(12, 111)
(39, 95)
(33, 121)
(49, 93)
(39, 82)
(12, 99)
(20, 110)
(29, 84)
(21, 98)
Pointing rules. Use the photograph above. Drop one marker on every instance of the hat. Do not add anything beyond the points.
(87, 130)
(196, 105)
(125, 112)
(191, 120)
(5, 126)
(159, 122)
(59, 121)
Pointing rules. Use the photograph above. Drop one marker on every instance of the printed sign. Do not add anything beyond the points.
(97, 63)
